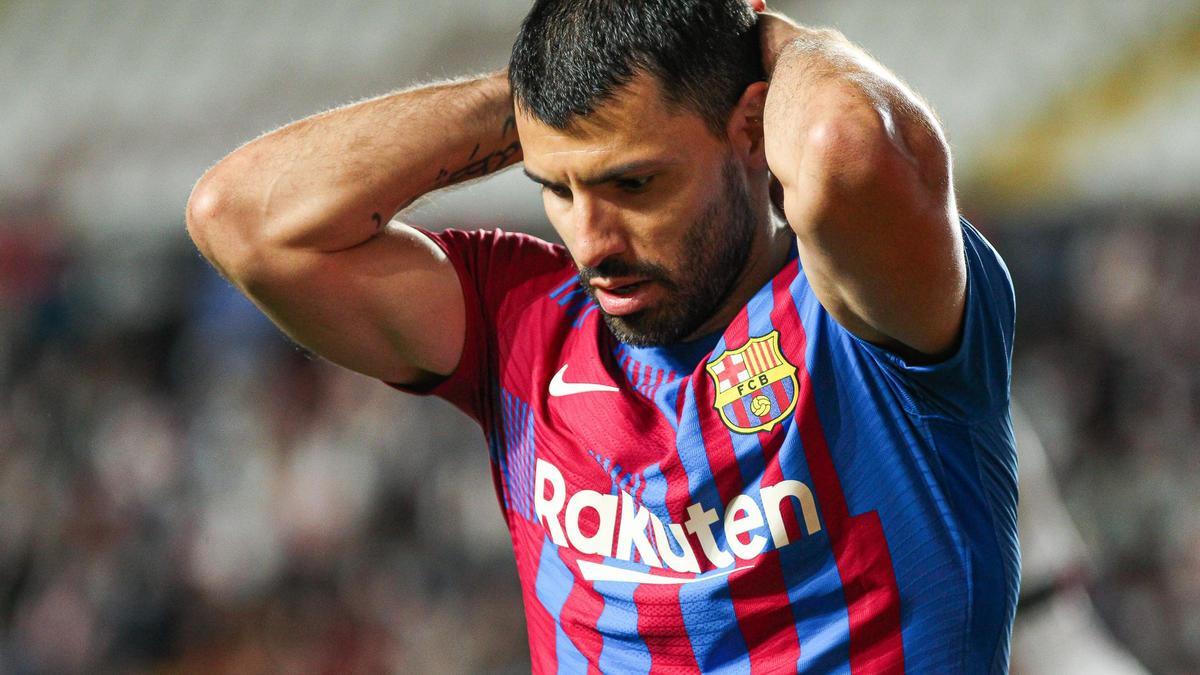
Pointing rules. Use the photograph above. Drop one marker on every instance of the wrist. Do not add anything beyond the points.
(781, 37)
(775, 33)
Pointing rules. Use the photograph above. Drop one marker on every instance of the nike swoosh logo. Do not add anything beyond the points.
(559, 387)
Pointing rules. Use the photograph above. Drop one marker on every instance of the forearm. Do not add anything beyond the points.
(866, 180)
(331, 181)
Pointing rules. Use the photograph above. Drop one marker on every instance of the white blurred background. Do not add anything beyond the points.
(181, 490)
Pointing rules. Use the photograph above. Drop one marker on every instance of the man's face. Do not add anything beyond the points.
(653, 208)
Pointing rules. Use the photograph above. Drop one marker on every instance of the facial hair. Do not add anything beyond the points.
(716, 249)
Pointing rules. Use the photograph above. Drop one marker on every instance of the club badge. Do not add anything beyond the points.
(755, 385)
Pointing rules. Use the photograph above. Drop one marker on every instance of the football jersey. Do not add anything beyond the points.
(781, 496)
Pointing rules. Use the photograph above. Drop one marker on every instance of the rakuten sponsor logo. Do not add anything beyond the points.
(625, 527)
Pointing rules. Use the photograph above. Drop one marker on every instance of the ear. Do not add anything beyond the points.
(744, 131)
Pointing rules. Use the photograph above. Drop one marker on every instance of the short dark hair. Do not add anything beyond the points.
(570, 56)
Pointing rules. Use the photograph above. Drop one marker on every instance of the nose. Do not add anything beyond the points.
(597, 229)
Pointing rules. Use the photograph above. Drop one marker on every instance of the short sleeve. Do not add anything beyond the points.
(974, 381)
(492, 266)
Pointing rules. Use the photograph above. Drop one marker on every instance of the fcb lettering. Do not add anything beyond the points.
(756, 385)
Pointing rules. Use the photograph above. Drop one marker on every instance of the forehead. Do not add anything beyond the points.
(636, 123)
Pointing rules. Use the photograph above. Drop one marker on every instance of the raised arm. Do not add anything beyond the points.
(866, 176)
(298, 220)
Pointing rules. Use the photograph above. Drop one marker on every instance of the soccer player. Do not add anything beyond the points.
(721, 442)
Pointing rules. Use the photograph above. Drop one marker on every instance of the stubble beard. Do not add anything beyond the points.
(716, 249)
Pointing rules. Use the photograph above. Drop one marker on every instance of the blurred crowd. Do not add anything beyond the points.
(1108, 368)
(184, 490)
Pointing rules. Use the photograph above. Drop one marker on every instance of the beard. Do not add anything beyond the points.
(716, 249)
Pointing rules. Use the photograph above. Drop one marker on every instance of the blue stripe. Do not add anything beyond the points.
(664, 398)
(693, 455)
(814, 584)
(713, 628)
(624, 651)
(591, 307)
(567, 297)
(553, 585)
(566, 284)
(654, 497)
(708, 611)
(747, 448)
(818, 603)
(517, 459)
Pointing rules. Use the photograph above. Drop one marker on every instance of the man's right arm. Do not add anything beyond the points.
(298, 219)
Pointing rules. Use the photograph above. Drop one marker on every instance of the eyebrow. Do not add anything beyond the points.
(614, 173)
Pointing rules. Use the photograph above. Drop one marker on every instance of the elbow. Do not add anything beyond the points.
(848, 151)
(203, 212)
(217, 227)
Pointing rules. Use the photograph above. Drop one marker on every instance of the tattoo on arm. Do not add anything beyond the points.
(493, 161)
(475, 168)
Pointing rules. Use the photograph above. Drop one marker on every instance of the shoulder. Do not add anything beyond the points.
(973, 381)
(495, 261)
(500, 245)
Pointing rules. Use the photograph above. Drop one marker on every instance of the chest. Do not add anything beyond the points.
(625, 456)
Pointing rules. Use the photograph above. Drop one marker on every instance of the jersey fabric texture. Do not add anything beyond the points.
(779, 497)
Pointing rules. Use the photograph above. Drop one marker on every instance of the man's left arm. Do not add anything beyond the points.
(866, 177)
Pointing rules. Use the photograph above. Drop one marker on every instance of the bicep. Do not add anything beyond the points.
(391, 307)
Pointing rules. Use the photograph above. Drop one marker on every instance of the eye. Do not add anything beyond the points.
(634, 185)
(560, 191)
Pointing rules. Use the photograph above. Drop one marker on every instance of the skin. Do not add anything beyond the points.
(298, 218)
(631, 184)
(866, 179)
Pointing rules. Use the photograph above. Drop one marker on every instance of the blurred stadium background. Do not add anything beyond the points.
(181, 490)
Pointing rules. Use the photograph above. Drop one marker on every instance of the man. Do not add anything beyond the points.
(720, 442)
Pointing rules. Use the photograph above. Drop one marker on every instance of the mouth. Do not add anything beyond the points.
(620, 297)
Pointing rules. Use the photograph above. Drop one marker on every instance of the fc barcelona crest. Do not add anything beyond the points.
(755, 385)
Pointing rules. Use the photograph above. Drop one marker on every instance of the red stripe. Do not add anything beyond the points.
(660, 623)
(580, 613)
(754, 359)
(721, 459)
(741, 414)
(657, 383)
(660, 617)
(770, 356)
(681, 397)
(765, 615)
(542, 645)
(774, 471)
(765, 594)
(781, 398)
(759, 594)
(859, 546)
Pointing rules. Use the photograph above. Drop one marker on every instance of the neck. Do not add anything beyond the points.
(768, 254)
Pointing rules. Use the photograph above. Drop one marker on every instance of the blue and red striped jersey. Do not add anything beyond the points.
(779, 497)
